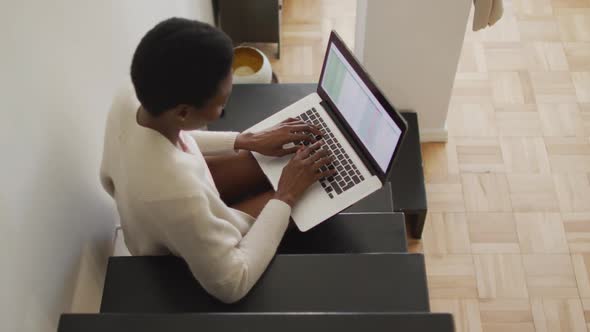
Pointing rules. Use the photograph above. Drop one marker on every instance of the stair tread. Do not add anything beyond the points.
(349, 233)
(392, 282)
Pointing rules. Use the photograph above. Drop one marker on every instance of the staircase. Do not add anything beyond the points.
(350, 273)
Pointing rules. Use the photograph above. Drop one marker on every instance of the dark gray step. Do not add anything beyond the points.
(259, 322)
(349, 233)
(393, 282)
(381, 201)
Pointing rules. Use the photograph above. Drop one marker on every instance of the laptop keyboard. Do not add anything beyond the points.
(348, 174)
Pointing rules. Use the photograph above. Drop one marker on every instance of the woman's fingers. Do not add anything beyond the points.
(323, 161)
(305, 127)
(328, 173)
(290, 150)
(307, 151)
(318, 155)
(290, 120)
(298, 137)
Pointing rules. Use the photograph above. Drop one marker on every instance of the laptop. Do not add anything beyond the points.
(362, 130)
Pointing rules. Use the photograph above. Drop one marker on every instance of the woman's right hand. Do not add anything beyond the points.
(302, 171)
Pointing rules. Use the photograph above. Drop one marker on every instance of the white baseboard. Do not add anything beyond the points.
(89, 282)
(434, 135)
(120, 249)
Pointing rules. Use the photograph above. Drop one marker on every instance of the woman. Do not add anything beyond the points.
(198, 194)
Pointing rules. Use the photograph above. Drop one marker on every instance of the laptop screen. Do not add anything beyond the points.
(359, 107)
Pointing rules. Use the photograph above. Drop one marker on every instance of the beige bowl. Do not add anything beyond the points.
(250, 66)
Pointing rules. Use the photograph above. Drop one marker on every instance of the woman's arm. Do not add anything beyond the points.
(198, 229)
(226, 264)
(211, 142)
(269, 142)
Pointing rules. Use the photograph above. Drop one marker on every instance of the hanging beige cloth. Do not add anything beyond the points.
(487, 12)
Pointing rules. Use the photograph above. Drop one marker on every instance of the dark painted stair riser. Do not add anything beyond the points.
(291, 322)
(393, 282)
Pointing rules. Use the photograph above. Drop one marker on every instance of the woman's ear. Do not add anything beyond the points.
(183, 112)
(182, 115)
(189, 117)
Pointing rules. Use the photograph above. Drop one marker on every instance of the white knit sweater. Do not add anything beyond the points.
(168, 203)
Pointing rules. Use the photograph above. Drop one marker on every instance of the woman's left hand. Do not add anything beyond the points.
(270, 142)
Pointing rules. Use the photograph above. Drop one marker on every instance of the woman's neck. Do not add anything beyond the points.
(158, 124)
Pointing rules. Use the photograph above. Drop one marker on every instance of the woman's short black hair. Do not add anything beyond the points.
(180, 61)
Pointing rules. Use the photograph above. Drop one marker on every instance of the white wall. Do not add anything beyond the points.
(411, 48)
(60, 62)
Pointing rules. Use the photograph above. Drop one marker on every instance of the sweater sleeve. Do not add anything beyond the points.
(214, 141)
(226, 264)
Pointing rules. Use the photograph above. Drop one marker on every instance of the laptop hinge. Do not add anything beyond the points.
(349, 138)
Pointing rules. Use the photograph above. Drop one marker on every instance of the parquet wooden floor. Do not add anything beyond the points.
(507, 240)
